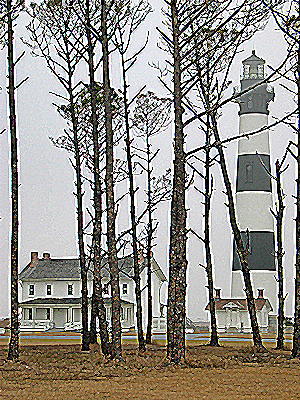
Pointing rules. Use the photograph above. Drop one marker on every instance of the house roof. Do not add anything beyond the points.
(240, 304)
(4, 323)
(55, 269)
(65, 301)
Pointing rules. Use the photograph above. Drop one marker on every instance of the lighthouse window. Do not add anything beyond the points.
(250, 102)
(246, 71)
(260, 71)
(249, 173)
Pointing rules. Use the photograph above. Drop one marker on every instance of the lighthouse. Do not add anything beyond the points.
(253, 185)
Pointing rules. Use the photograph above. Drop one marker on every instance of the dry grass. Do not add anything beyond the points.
(229, 372)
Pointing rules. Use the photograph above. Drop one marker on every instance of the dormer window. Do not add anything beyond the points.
(49, 290)
(31, 290)
(70, 289)
(125, 288)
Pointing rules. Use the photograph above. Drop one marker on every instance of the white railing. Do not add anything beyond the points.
(36, 325)
(72, 326)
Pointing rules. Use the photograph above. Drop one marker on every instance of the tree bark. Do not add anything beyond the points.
(13, 351)
(279, 219)
(242, 253)
(177, 257)
(296, 335)
(116, 349)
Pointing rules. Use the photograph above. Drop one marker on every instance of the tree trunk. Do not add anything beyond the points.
(296, 335)
(279, 219)
(177, 257)
(13, 351)
(110, 202)
(149, 245)
(136, 268)
(98, 308)
(214, 341)
(242, 253)
(79, 196)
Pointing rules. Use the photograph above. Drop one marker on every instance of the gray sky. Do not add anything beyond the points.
(47, 203)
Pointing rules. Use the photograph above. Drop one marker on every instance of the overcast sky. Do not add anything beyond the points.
(47, 203)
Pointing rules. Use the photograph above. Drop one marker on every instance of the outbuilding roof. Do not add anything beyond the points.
(240, 304)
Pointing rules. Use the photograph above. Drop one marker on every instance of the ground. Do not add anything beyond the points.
(233, 371)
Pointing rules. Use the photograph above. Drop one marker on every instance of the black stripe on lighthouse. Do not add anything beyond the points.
(252, 174)
(261, 251)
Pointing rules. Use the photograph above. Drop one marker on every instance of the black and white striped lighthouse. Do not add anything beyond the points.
(253, 185)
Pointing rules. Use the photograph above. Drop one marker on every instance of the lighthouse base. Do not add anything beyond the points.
(260, 280)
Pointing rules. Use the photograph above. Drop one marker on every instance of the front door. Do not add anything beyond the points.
(60, 317)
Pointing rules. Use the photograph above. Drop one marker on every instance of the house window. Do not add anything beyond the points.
(125, 288)
(249, 173)
(31, 290)
(49, 290)
(122, 313)
(70, 289)
(30, 313)
(48, 313)
(105, 289)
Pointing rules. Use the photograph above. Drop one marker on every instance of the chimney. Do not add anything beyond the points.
(260, 293)
(218, 294)
(46, 256)
(34, 258)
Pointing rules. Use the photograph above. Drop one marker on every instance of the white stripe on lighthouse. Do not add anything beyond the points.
(253, 211)
(257, 143)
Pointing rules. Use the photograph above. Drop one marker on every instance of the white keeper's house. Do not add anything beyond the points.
(51, 293)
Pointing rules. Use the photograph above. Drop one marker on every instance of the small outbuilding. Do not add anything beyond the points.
(232, 314)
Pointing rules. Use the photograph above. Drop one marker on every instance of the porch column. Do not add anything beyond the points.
(70, 317)
(51, 314)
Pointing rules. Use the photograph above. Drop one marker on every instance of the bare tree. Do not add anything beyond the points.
(279, 253)
(287, 19)
(127, 22)
(116, 350)
(56, 35)
(85, 125)
(9, 12)
(241, 20)
(150, 116)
